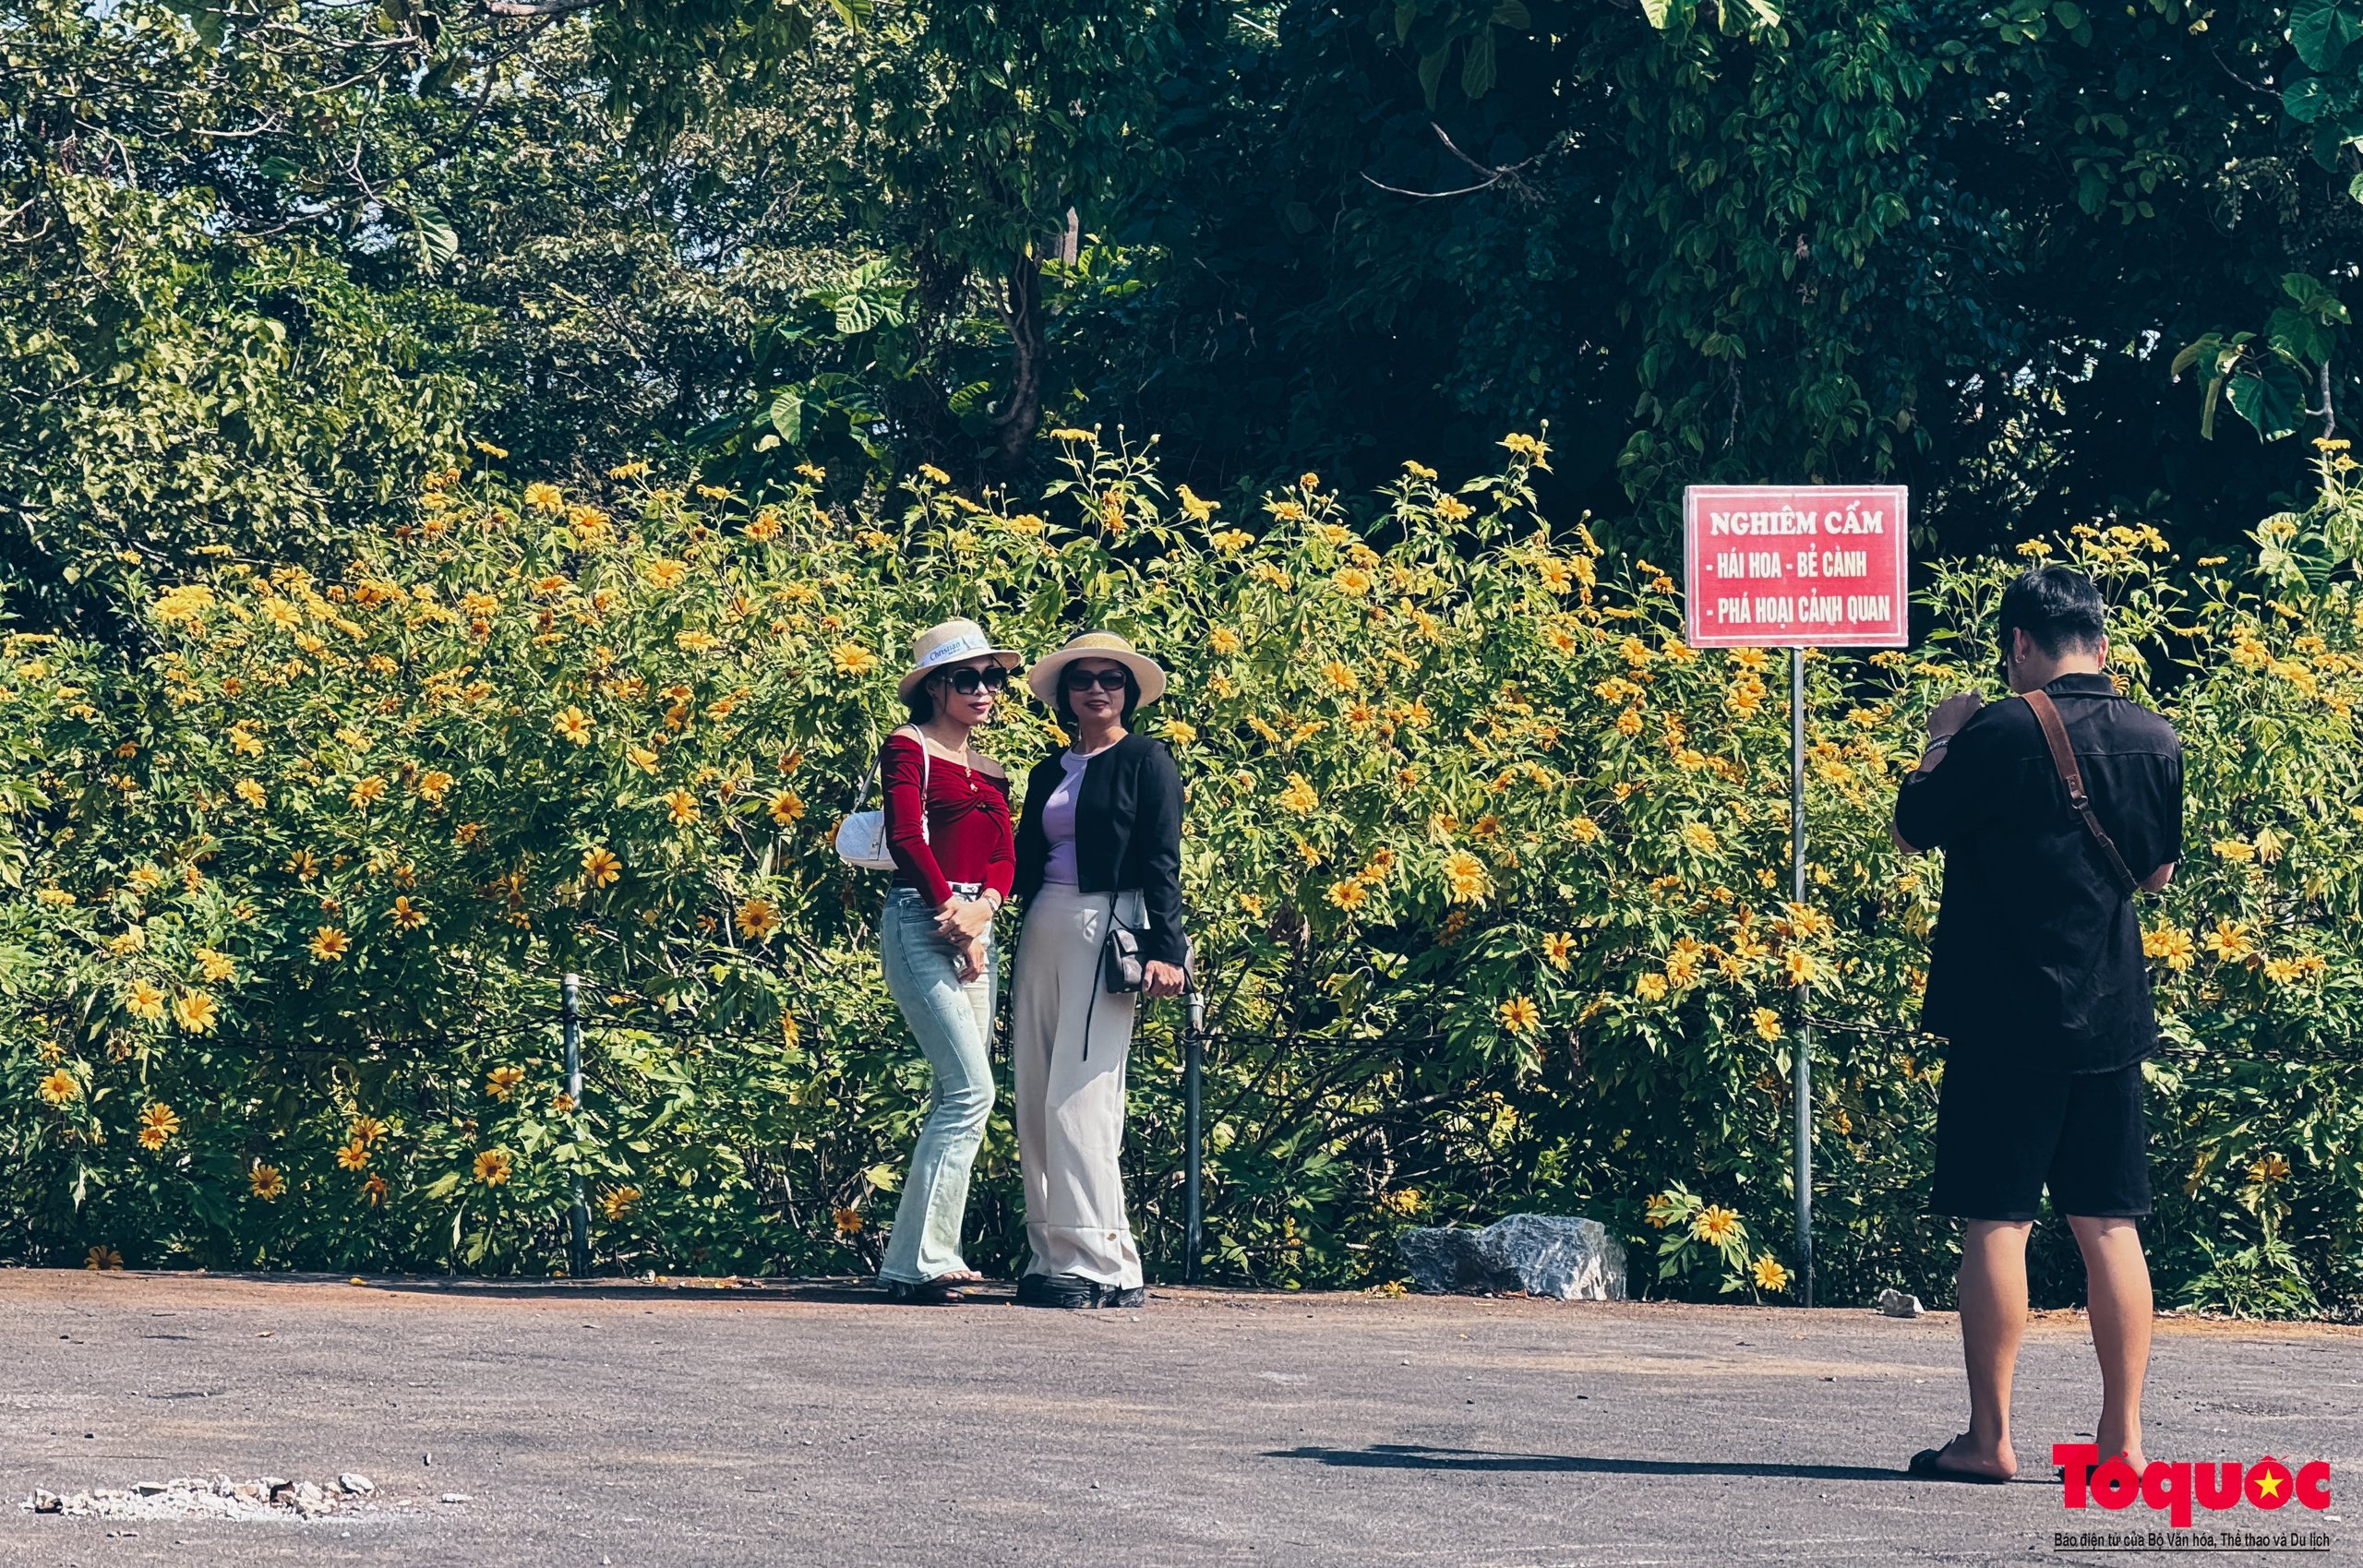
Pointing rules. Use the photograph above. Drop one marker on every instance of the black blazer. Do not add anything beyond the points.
(1127, 836)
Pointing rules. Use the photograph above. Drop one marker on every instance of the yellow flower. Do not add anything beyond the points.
(373, 1191)
(1557, 576)
(1700, 837)
(758, 918)
(640, 757)
(1179, 732)
(2269, 1169)
(329, 944)
(1520, 1016)
(852, 659)
(1452, 508)
(665, 573)
(368, 792)
(146, 1001)
(352, 1155)
(492, 1167)
(1583, 829)
(1769, 1274)
(216, 964)
(1222, 639)
(2282, 971)
(1466, 881)
(195, 1013)
(1298, 796)
(59, 1087)
(432, 785)
(1558, 948)
(1767, 1023)
(2229, 941)
(502, 1082)
(1353, 582)
(617, 1201)
(1650, 988)
(406, 916)
(786, 808)
(1800, 968)
(102, 1257)
(1230, 540)
(369, 1129)
(1715, 1224)
(1403, 1201)
(2238, 851)
(574, 724)
(542, 497)
(266, 1183)
(1348, 894)
(156, 1125)
(2170, 943)
(1198, 508)
(1341, 675)
(600, 866)
(848, 1222)
(1628, 722)
(680, 804)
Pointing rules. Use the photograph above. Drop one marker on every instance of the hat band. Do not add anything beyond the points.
(962, 647)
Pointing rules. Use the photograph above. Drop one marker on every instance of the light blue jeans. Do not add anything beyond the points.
(953, 1025)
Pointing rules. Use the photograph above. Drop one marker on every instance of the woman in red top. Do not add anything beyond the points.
(947, 828)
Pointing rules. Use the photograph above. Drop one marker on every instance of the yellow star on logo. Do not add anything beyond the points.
(2269, 1485)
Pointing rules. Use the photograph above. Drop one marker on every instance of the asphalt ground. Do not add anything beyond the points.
(686, 1426)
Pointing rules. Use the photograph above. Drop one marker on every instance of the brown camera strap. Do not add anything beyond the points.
(2063, 758)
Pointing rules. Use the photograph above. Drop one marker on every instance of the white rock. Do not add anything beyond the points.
(357, 1484)
(48, 1502)
(457, 1497)
(1896, 1304)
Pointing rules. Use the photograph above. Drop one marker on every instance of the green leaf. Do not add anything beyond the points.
(1432, 73)
(2269, 399)
(2321, 30)
(788, 414)
(1477, 74)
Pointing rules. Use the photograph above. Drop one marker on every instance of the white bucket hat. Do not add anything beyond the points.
(1042, 680)
(954, 642)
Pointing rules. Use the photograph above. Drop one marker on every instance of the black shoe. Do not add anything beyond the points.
(926, 1293)
(1122, 1296)
(1061, 1291)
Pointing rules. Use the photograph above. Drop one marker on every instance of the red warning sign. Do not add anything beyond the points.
(1795, 566)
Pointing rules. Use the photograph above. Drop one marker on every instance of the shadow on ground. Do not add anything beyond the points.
(1408, 1456)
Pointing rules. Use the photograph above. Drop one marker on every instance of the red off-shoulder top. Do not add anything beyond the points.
(968, 836)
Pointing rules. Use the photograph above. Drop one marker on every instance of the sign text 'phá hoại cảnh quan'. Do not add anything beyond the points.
(1795, 566)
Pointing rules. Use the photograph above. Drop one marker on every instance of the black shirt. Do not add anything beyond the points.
(2038, 958)
(1127, 836)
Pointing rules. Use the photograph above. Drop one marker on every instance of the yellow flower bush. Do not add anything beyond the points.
(1489, 872)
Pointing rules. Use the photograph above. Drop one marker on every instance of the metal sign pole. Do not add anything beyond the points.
(1193, 1077)
(578, 1252)
(1804, 1028)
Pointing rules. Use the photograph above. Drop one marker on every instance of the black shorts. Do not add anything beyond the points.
(2003, 1135)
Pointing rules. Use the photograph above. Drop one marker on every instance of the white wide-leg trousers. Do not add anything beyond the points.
(1069, 1100)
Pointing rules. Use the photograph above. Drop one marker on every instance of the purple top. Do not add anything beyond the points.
(1058, 821)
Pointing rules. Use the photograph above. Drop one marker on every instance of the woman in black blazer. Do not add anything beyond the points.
(1101, 839)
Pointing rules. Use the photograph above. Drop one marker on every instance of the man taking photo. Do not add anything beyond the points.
(2051, 810)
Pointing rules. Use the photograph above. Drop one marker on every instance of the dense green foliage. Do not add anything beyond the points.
(2017, 256)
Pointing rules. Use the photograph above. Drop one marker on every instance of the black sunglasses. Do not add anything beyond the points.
(1106, 680)
(965, 680)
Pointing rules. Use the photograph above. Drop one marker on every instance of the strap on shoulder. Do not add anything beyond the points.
(2063, 760)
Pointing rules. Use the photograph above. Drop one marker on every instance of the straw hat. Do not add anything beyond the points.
(1043, 678)
(954, 642)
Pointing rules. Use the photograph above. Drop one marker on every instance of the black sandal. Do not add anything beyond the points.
(926, 1293)
(1926, 1467)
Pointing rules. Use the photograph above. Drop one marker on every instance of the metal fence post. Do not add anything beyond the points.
(578, 1252)
(1804, 1074)
(1194, 1054)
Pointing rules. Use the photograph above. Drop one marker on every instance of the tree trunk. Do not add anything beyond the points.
(1021, 410)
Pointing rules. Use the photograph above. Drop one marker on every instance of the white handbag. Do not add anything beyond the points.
(861, 838)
